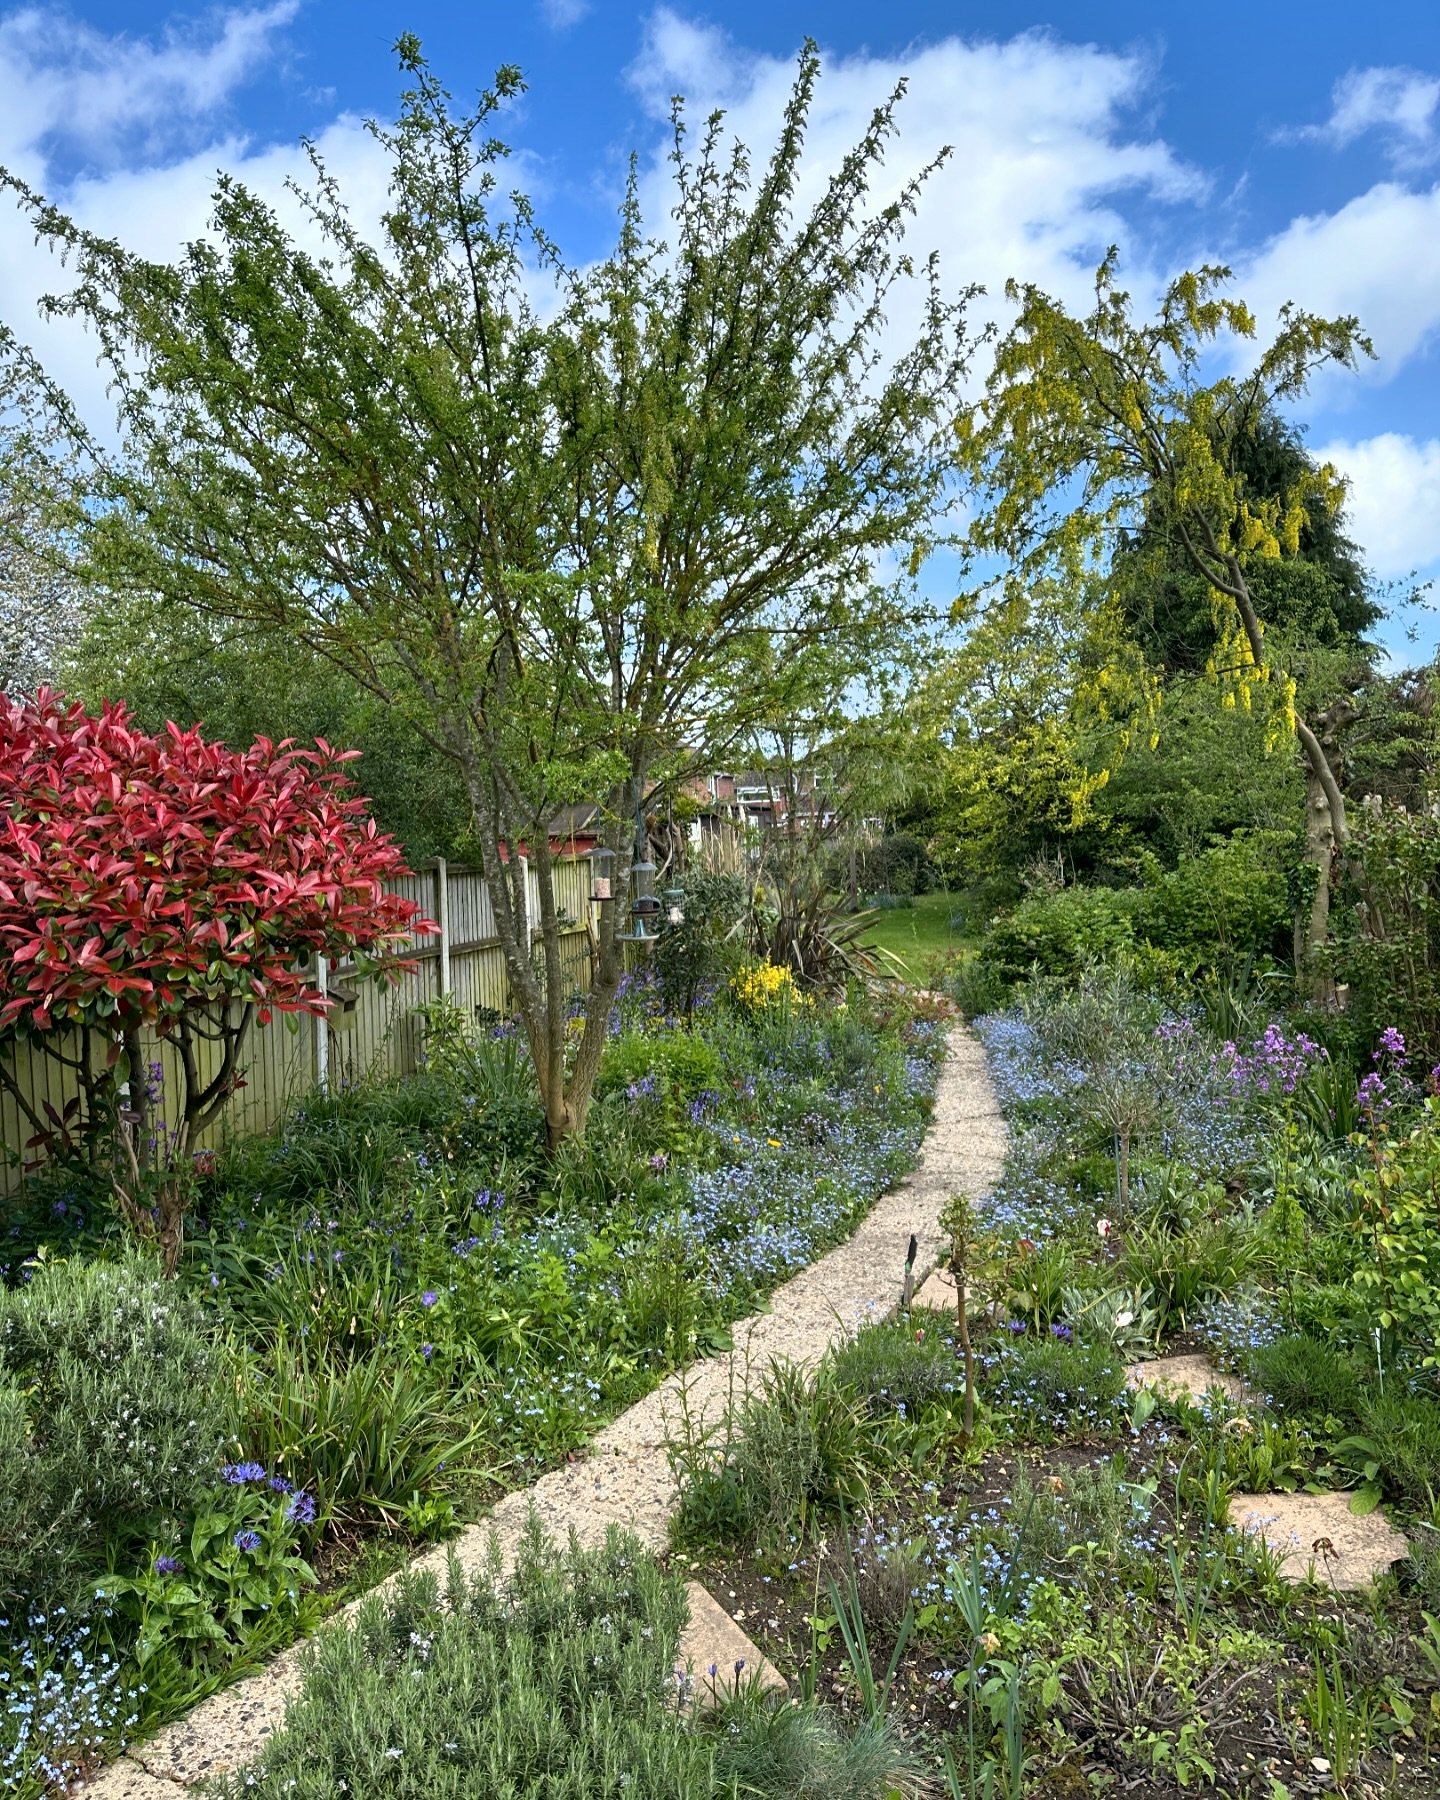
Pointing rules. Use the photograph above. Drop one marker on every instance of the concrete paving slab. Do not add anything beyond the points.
(1195, 1376)
(1317, 1536)
(716, 1653)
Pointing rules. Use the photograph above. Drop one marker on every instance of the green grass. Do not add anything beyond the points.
(920, 933)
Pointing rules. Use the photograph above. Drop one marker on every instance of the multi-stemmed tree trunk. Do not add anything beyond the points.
(573, 543)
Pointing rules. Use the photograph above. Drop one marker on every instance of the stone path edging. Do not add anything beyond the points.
(626, 1479)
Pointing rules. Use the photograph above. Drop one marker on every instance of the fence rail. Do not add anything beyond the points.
(372, 1030)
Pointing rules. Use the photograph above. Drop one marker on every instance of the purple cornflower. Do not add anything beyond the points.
(1063, 1332)
(279, 1485)
(246, 1540)
(300, 1509)
(238, 1474)
(429, 1297)
(427, 1351)
(168, 1565)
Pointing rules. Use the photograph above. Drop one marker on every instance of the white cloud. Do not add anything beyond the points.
(1401, 105)
(1393, 509)
(1377, 257)
(560, 15)
(146, 123)
(61, 79)
(1044, 139)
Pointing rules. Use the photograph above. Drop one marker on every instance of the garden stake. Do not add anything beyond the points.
(907, 1291)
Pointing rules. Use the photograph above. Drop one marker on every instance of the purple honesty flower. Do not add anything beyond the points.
(1371, 1092)
(246, 1540)
(237, 1474)
(1391, 1042)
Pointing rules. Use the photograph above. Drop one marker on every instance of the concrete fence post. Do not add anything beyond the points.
(322, 1027)
(442, 918)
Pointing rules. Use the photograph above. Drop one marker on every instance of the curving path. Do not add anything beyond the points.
(626, 1478)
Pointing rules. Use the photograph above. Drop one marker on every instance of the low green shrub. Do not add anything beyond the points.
(1058, 934)
(674, 1068)
(113, 1418)
(564, 1686)
(1311, 1379)
(895, 1368)
(1223, 908)
(805, 1753)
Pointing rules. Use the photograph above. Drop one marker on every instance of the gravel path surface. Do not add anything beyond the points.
(625, 1479)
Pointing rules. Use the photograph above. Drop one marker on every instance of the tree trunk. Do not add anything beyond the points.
(1325, 836)
(1327, 830)
(1312, 925)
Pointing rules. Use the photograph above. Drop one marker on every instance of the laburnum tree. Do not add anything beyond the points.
(576, 543)
(1103, 434)
(160, 884)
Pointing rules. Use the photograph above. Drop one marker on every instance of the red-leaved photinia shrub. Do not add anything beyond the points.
(159, 880)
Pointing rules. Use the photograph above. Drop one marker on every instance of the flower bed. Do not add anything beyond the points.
(400, 1306)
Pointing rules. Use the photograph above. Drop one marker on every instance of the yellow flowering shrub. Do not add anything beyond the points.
(757, 986)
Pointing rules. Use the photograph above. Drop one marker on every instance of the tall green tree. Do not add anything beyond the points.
(43, 606)
(1319, 597)
(1095, 429)
(574, 535)
(241, 683)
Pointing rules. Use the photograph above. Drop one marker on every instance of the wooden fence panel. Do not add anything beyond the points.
(373, 1029)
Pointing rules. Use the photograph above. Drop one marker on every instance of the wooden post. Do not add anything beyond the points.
(442, 916)
(322, 1028)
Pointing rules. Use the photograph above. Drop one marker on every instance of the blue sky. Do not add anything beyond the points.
(1300, 145)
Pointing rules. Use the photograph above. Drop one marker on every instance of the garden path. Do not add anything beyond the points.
(626, 1477)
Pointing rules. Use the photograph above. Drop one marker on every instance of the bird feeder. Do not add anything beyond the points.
(601, 860)
(644, 904)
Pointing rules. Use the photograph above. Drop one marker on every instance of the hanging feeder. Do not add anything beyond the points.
(601, 860)
(644, 904)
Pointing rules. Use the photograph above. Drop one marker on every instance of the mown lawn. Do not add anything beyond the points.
(919, 934)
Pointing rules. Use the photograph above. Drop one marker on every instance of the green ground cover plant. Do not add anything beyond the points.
(561, 1682)
(386, 1314)
(1052, 1603)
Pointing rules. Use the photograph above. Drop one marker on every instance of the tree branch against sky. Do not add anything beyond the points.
(1094, 429)
(573, 545)
(43, 608)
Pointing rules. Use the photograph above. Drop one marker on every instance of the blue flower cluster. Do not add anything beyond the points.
(62, 1699)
